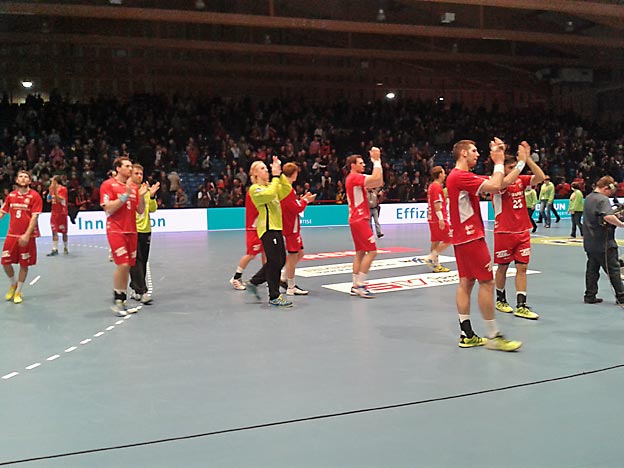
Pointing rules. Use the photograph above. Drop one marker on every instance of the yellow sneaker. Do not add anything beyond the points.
(17, 299)
(500, 343)
(440, 269)
(465, 342)
(8, 296)
(502, 306)
(525, 312)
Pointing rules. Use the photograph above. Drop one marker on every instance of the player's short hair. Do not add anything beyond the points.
(23, 171)
(460, 146)
(289, 169)
(575, 186)
(138, 166)
(118, 162)
(352, 160)
(58, 179)
(606, 181)
(510, 158)
(253, 169)
(436, 171)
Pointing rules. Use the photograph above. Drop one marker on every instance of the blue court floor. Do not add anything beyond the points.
(209, 377)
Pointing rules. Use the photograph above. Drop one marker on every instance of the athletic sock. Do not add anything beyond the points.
(465, 326)
(491, 329)
(500, 295)
(19, 287)
(291, 283)
(521, 298)
(55, 245)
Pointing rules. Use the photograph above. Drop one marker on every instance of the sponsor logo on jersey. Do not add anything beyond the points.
(525, 252)
(502, 253)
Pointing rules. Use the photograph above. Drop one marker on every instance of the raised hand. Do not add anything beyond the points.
(154, 188)
(276, 166)
(375, 154)
(143, 189)
(309, 197)
(497, 151)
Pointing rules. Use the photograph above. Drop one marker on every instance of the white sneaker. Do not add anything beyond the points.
(135, 296)
(119, 308)
(237, 284)
(146, 299)
(296, 291)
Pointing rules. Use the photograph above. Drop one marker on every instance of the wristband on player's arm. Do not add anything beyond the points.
(124, 197)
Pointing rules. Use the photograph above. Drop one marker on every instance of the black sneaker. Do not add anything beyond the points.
(592, 300)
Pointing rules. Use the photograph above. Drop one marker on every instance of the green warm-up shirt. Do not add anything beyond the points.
(547, 192)
(267, 200)
(576, 201)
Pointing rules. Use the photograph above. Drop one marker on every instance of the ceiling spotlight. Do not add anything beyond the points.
(27, 84)
(381, 15)
(569, 26)
(200, 4)
(441, 99)
(115, 2)
(390, 95)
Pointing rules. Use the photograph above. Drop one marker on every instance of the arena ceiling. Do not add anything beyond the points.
(321, 44)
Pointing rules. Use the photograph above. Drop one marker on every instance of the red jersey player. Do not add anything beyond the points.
(512, 240)
(292, 206)
(121, 201)
(23, 206)
(468, 237)
(359, 217)
(59, 214)
(438, 220)
(253, 242)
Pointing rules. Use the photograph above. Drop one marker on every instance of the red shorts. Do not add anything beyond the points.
(13, 253)
(439, 235)
(362, 234)
(123, 247)
(254, 244)
(294, 244)
(512, 246)
(474, 261)
(58, 223)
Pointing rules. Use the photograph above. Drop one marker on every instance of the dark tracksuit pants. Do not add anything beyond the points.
(275, 251)
(139, 270)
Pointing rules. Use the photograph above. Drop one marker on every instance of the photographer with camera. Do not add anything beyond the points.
(599, 223)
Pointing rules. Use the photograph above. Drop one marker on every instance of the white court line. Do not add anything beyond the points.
(98, 334)
(70, 349)
(119, 322)
(85, 341)
(33, 366)
(35, 280)
(110, 328)
(8, 376)
(52, 358)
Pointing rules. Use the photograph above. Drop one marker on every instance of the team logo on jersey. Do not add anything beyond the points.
(469, 229)
(25, 256)
(525, 252)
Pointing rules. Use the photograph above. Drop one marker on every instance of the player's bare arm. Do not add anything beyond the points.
(376, 178)
(497, 153)
(538, 174)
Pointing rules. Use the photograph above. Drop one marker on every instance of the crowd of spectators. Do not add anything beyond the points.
(200, 149)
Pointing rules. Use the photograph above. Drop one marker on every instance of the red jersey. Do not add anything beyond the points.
(251, 213)
(357, 198)
(291, 207)
(124, 219)
(21, 208)
(463, 192)
(435, 193)
(59, 207)
(510, 207)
